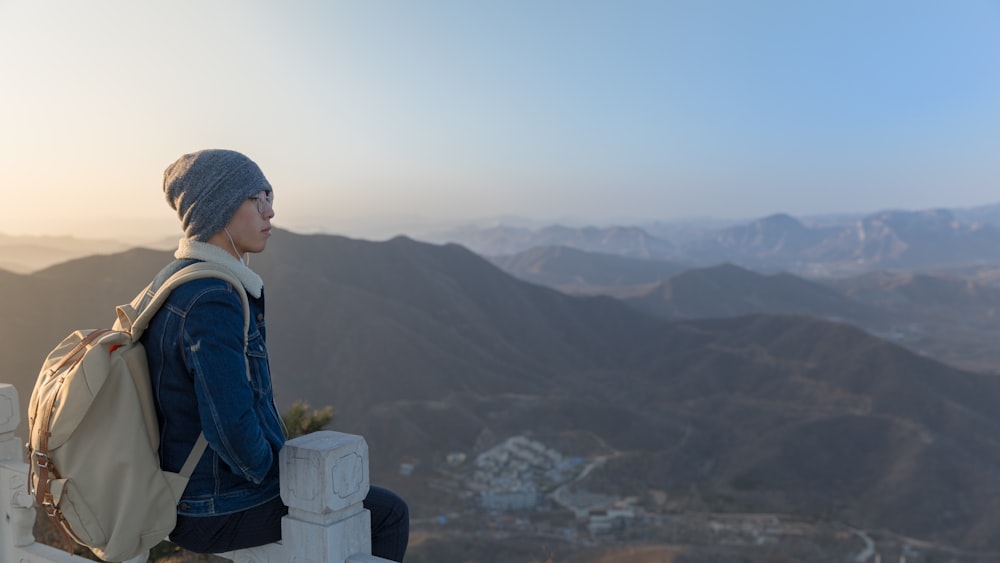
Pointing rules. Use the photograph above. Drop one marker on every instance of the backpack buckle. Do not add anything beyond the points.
(42, 460)
(51, 509)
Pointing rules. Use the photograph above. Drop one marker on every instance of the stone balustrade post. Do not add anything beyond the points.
(16, 502)
(324, 481)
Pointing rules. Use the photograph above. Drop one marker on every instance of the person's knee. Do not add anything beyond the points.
(399, 510)
(387, 506)
(402, 509)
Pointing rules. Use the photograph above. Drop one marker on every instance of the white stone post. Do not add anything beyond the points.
(324, 481)
(14, 498)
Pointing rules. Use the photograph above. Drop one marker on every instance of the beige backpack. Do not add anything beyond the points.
(94, 437)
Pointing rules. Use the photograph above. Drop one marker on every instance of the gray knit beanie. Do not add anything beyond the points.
(207, 187)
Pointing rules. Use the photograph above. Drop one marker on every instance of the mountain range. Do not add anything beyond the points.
(950, 315)
(848, 244)
(888, 240)
(432, 349)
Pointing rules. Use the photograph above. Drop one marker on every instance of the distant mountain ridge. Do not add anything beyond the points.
(898, 240)
(427, 350)
(24, 254)
(504, 240)
(811, 246)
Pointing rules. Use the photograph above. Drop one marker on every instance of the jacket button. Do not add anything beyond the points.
(184, 506)
(260, 317)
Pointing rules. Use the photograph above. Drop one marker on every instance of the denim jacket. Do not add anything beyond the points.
(194, 347)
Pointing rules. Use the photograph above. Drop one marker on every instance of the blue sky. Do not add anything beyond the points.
(371, 113)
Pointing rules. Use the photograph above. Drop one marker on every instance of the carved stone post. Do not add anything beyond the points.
(10, 417)
(19, 512)
(324, 481)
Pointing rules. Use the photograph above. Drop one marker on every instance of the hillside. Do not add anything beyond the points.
(578, 272)
(949, 315)
(726, 290)
(428, 350)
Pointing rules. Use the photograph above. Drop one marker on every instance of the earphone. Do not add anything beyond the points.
(244, 258)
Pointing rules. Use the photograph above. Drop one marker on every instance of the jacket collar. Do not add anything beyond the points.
(206, 252)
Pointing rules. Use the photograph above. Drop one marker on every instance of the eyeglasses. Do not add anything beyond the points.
(265, 201)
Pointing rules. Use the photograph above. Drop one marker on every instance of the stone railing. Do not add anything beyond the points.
(324, 480)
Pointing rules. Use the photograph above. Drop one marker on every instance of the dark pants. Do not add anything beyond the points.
(262, 524)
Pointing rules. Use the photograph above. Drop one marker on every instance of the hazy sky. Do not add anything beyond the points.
(610, 111)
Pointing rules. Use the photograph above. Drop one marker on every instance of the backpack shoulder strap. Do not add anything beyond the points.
(194, 457)
(135, 321)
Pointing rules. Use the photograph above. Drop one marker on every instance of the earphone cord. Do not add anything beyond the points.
(244, 258)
